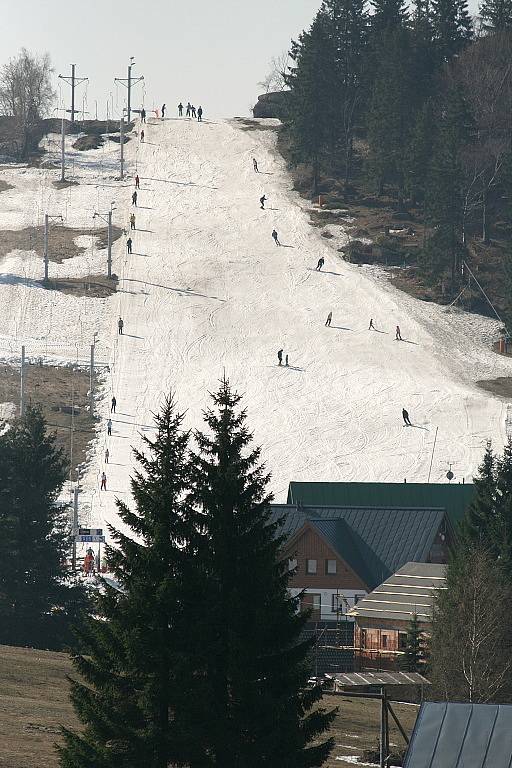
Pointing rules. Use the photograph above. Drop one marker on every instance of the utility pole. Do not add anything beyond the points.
(22, 382)
(46, 232)
(73, 81)
(129, 82)
(91, 381)
(107, 218)
(62, 152)
(74, 528)
(121, 144)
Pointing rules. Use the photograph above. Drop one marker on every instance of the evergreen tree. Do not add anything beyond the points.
(388, 15)
(134, 663)
(419, 153)
(451, 26)
(311, 81)
(38, 601)
(413, 659)
(257, 708)
(496, 15)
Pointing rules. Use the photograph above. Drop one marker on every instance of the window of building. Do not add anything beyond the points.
(384, 641)
(310, 566)
(337, 603)
(330, 566)
(402, 641)
(317, 602)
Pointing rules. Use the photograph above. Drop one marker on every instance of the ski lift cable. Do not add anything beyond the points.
(484, 293)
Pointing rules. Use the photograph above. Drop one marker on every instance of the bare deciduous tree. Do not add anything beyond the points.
(276, 78)
(471, 650)
(26, 93)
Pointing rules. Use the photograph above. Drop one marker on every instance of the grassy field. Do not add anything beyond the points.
(34, 703)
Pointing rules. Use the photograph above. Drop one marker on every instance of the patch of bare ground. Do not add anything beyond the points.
(62, 393)
(64, 184)
(246, 124)
(61, 241)
(4, 185)
(501, 387)
(34, 703)
(93, 286)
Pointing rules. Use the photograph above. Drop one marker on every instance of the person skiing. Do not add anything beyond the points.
(262, 202)
(200, 114)
(280, 357)
(276, 238)
(193, 111)
(320, 264)
(113, 405)
(120, 325)
(255, 164)
(406, 418)
(132, 221)
(109, 427)
(134, 198)
(398, 335)
(163, 111)
(129, 244)
(142, 137)
(329, 318)
(103, 482)
(143, 115)
(180, 109)
(371, 324)
(188, 109)
(137, 182)
(286, 361)
(107, 454)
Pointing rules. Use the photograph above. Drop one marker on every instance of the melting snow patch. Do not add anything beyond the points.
(354, 760)
(7, 411)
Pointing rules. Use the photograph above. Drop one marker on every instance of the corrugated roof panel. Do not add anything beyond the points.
(456, 735)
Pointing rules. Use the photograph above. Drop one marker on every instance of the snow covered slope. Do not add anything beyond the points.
(206, 291)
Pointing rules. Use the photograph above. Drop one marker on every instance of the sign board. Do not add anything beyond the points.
(92, 538)
(90, 531)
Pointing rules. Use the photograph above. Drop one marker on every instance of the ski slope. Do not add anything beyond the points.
(206, 291)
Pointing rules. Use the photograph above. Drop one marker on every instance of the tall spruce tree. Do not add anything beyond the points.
(256, 705)
(496, 15)
(452, 27)
(134, 663)
(388, 15)
(38, 600)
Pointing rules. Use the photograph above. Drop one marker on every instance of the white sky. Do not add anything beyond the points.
(211, 52)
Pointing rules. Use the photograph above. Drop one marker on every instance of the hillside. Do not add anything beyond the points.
(207, 291)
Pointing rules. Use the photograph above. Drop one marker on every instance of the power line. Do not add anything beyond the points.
(73, 81)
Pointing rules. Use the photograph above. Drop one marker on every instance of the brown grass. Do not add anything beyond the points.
(93, 286)
(61, 241)
(502, 386)
(55, 388)
(34, 703)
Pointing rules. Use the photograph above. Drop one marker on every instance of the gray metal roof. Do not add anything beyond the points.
(453, 735)
(409, 591)
(378, 678)
(382, 538)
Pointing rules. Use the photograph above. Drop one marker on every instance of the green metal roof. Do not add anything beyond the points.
(375, 542)
(453, 498)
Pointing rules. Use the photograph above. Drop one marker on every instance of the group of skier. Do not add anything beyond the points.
(190, 111)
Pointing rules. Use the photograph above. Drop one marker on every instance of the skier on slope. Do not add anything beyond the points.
(103, 482)
(286, 361)
(134, 198)
(132, 221)
(255, 164)
(329, 318)
(142, 137)
(189, 107)
(275, 237)
(107, 455)
(193, 111)
(398, 335)
(113, 405)
(371, 324)
(180, 109)
(320, 264)
(280, 357)
(120, 326)
(143, 115)
(163, 111)
(109, 427)
(129, 244)
(262, 202)
(406, 418)
(199, 114)
(137, 182)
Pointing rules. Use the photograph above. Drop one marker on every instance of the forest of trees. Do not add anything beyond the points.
(412, 103)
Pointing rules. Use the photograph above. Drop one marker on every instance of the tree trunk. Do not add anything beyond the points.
(485, 221)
